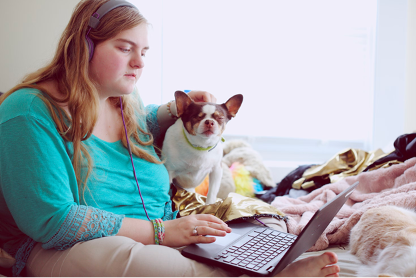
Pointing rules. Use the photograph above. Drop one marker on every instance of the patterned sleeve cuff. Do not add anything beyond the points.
(84, 223)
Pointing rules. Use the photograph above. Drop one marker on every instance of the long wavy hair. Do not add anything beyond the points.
(69, 68)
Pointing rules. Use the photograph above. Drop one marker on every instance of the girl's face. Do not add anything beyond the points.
(117, 63)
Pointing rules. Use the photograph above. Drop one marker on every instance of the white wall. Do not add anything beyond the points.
(29, 33)
(410, 103)
(390, 71)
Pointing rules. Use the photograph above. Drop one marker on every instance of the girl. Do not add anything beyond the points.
(69, 203)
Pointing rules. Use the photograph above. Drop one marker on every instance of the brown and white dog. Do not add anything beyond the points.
(192, 148)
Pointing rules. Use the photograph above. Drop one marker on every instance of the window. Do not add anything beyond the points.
(305, 68)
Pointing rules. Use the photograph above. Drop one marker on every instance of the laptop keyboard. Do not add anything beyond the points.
(257, 249)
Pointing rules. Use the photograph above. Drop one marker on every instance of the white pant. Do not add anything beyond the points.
(121, 256)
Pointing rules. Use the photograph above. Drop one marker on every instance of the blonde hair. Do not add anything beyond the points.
(69, 68)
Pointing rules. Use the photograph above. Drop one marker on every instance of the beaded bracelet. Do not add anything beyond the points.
(159, 229)
(170, 112)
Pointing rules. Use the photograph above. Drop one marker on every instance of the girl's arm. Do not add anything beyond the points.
(178, 232)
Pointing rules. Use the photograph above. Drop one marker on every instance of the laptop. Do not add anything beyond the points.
(261, 251)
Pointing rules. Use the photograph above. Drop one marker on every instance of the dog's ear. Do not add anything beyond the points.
(182, 102)
(233, 104)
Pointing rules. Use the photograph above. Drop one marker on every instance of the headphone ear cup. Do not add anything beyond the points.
(90, 47)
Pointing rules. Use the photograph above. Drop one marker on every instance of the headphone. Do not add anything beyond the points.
(95, 19)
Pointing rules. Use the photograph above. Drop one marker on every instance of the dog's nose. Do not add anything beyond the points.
(209, 123)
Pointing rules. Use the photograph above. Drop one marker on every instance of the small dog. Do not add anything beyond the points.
(384, 240)
(192, 148)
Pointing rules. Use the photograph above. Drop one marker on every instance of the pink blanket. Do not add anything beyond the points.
(395, 185)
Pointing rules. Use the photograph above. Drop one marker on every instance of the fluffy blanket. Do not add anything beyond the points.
(395, 185)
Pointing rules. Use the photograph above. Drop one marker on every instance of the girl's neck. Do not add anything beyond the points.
(109, 124)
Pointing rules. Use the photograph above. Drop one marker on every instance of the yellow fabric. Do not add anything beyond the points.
(386, 165)
(234, 206)
(349, 162)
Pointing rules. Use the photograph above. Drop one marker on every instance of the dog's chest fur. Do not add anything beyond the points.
(186, 164)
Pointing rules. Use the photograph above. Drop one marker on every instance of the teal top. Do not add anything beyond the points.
(39, 196)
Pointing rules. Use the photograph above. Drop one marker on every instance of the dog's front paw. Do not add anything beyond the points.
(210, 200)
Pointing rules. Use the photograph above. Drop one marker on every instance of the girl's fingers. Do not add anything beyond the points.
(208, 225)
(202, 96)
(221, 227)
(204, 231)
(209, 218)
(203, 239)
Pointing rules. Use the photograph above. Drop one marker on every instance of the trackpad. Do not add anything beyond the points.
(225, 240)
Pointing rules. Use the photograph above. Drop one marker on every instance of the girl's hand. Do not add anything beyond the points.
(202, 96)
(179, 232)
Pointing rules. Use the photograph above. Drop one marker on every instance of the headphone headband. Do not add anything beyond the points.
(95, 19)
(105, 8)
